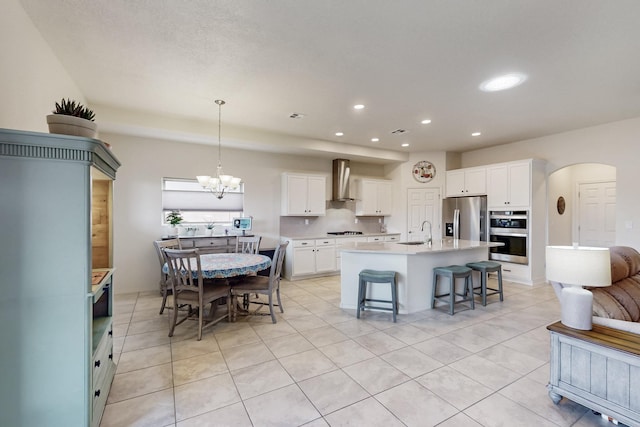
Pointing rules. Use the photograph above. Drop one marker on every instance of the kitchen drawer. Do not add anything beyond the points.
(103, 355)
(304, 243)
(514, 270)
(325, 242)
(392, 238)
(103, 372)
(375, 239)
(212, 242)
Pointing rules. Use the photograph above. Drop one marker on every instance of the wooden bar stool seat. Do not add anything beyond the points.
(453, 272)
(486, 267)
(376, 276)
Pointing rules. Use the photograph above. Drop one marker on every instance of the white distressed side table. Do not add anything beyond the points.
(599, 369)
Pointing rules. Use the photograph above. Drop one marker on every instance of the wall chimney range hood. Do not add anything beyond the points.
(340, 185)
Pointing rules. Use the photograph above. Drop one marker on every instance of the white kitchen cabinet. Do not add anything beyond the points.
(373, 197)
(392, 238)
(306, 257)
(466, 182)
(509, 186)
(325, 255)
(303, 195)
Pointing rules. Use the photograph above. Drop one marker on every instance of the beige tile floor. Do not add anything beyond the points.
(320, 366)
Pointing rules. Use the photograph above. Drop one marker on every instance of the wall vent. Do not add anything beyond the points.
(398, 131)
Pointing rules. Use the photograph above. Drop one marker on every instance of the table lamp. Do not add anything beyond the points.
(573, 267)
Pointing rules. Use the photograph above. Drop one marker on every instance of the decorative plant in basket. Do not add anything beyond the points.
(72, 118)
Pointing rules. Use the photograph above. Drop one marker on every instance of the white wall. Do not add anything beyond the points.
(32, 77)
(403, 179)
(616, 144)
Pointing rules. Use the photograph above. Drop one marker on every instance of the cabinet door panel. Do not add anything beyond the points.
(304, 261)
(325, 259)
(476, 181)
(455, 185)
(297, 195)
(316, 195)
(497, 191)
(519, 185)
(384, 198)
(369, 198)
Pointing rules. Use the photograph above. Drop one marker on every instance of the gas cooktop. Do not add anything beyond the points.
(345, 233)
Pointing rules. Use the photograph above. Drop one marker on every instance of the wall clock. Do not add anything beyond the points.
(424, 171)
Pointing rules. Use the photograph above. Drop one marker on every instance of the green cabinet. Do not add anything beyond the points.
(53, 321)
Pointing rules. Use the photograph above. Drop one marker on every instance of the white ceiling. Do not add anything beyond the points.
(406, 60)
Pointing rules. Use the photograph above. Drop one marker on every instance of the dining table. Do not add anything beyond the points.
(227, 265)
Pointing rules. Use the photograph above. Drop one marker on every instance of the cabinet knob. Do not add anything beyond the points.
(111, 356)
(97, 364)
(97, 393)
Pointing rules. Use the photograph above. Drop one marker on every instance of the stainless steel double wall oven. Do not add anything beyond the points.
(512, 229)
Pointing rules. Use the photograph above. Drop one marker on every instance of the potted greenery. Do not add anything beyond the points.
(72, 118)
(209, 226)
(174, 218)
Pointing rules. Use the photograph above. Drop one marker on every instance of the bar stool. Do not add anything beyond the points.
(486, 267)
(377, 276)
(453, 272)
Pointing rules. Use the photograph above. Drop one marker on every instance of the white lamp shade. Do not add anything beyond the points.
(579, 265)
(226, 180)
(203, 180)
(235, 182)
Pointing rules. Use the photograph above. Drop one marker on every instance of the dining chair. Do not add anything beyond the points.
(262, 285)
(192, 292)
(247, 244)
(164, 277)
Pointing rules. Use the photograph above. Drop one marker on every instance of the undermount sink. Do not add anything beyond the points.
(411, 243)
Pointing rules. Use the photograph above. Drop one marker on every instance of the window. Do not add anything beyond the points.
(197, 205)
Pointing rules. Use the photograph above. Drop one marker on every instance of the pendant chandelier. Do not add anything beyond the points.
(220, 183)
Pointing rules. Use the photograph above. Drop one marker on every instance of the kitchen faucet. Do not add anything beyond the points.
(427, 240)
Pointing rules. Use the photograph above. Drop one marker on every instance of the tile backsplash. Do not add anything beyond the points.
(340, 217)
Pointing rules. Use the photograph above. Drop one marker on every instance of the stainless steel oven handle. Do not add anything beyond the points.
(507, 234)
(507, 216)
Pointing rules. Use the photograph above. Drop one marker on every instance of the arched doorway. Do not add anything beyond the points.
(581, 205)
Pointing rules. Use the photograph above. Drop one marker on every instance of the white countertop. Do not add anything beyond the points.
(339, 236)
(391, 248)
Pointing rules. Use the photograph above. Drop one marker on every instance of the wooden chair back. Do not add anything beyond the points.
(248, 245)
(165, 244)
(181, 267)
(276, 265)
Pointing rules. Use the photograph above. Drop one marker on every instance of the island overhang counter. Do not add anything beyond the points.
(413, 264)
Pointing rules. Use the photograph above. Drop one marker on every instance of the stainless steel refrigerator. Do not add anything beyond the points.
(465, 218)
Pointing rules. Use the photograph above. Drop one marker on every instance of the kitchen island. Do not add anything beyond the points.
(413, 263)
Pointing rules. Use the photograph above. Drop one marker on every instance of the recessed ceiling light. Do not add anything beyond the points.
(506, 81)
(406, 144)
(339, 134)
(375, 139)
(476, 134)
(358, 107)
(426, 121)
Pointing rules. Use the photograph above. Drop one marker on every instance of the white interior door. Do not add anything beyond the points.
(423, 205)
(597, 214)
